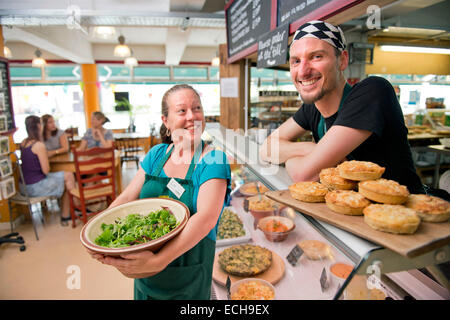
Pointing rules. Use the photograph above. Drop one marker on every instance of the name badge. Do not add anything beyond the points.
(176, 188)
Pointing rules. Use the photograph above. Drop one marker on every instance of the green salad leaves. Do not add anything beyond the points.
(136, 229)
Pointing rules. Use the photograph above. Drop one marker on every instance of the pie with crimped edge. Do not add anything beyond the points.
(346, 202)
(384, 191)
(245, 260)
(330, 177)
(429, 208)
(315, 250)
(308, 191)
(391, 218)
(360, 170)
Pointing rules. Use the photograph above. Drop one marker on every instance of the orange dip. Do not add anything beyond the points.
(341, 270)
(275, 226)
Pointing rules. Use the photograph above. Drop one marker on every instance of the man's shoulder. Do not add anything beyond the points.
(374, 83)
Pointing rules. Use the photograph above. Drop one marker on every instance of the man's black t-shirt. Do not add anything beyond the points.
(372, 105)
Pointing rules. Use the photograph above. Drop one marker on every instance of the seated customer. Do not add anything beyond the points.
(97, 136)
(39, 181)
(55, 139)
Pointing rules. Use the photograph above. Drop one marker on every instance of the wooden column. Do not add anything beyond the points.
(90, 91)
(232, 113)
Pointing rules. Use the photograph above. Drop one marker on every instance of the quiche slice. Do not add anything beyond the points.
(245, 260)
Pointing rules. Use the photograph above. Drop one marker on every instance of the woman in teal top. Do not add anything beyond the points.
(182, 269)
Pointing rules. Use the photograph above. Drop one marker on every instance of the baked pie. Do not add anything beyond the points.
(245, 260)
(308, 191)
(263, 204)
(315, 250)
(330, 177)
(360, 170)
(391, 218)
(346, 202)
(384, 191)
(429, 208)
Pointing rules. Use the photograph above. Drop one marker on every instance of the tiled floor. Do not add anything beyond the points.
(57, 266)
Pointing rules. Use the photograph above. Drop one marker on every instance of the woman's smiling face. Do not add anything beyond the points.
(185, 117)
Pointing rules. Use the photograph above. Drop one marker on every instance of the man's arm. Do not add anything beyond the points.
(337, 143)
(281, 145)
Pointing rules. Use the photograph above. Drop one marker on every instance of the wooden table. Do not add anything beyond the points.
(66, 162)
(144, 140)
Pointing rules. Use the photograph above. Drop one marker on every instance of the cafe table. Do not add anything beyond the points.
(66, 162)
(439, 150)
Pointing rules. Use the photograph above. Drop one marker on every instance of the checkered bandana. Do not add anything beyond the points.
(321, 30)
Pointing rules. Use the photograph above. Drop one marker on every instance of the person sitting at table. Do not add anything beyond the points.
(97, 136)
(39, 181)
(55, 139)
(182, 269)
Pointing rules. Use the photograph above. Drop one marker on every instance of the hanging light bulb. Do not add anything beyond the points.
(104, 32)
(122, 50)
(38, 61)
(7, 52)
(216, 60)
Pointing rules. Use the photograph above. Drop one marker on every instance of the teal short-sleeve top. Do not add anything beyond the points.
(213, 165)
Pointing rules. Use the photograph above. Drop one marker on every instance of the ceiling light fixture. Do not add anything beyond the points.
(131, 61)
(215, 62)
(184, 24)
(122, 50)
(38, 61)
(7, 52)
(390, 48)
(104, 32)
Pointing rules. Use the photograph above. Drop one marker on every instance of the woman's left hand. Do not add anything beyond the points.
(136, 265)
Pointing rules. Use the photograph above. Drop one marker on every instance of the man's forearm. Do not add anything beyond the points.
(279, 151)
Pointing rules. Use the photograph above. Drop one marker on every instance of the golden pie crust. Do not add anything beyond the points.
(391, 218)
(308, 191)
(330, 177)
(360, 170)
(265, 204)
(429, 208)
(384, 191)
(315, 250)
(346, 202)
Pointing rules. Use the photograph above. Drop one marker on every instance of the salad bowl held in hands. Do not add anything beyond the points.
(135, 226)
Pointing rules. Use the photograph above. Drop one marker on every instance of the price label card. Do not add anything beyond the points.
(228, 286)
(294, 255)
(324, 280)
(176, 188)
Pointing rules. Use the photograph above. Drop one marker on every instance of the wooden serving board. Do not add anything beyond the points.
(429, 236)
(273, 274)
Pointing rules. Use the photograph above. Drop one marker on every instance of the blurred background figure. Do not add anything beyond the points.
(97, 136)
(55, 139)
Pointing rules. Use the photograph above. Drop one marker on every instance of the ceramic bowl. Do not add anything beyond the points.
(445, 142)
(92, 229)
(276, 236)
(249, 189)
(235, 286)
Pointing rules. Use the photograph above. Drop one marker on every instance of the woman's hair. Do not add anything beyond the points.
(100, 116)
(165, 109)
(45, 119)
(32, 127)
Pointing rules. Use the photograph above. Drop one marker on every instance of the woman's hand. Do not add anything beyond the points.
(134, 265)
(97, 134)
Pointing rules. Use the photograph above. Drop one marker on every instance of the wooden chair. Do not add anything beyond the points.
(129, 150)
(22, 198)
(96, 181)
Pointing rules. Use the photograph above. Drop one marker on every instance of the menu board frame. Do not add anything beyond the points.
(7, 110)
(328, 10)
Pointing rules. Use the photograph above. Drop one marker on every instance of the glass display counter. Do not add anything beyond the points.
(376, 272)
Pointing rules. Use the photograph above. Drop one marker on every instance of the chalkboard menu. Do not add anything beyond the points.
(272, 47)
(6, 112)
(246, 20)
(291, 10)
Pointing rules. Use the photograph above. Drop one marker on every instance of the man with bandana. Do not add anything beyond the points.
(364, 122)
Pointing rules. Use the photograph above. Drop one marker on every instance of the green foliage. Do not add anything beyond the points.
(136, 229)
